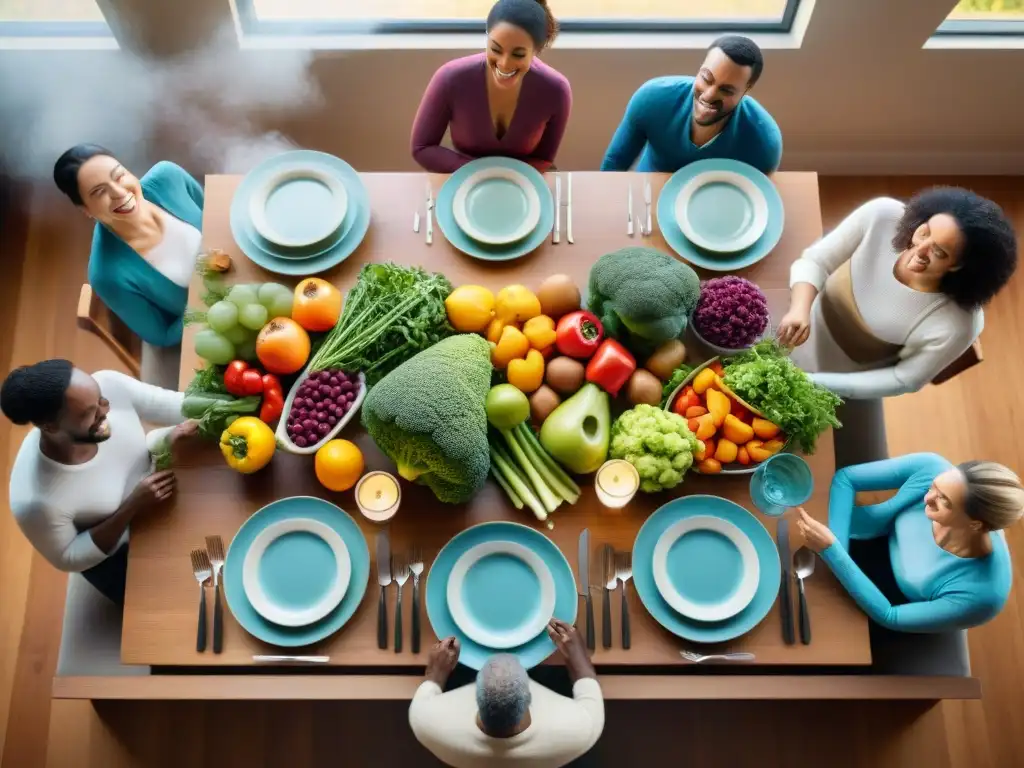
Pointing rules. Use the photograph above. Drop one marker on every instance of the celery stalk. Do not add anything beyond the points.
(553, 466)
(516, 482)
(545, 472)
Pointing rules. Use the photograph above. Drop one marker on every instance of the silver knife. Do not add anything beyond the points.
(610, 582)
(568, 208)
(430, 215)
(291, 659)
(383, 580)
(558, 209)
(629, 211)
(583, 566)
(647, 203)
(785, 603)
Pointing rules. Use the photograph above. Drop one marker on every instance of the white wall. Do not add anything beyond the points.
(859, 96)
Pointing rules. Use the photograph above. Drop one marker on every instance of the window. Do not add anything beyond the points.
(303, 17)
(985, 17)
(52, 18)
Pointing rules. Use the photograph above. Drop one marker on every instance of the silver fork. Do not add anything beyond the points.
(202, 569)
(400, 569)
(698, 658)
(624, 572)
(215, 546)
(416, 566)
(430, 215)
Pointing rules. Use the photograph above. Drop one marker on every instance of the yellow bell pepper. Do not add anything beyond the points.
(516, 304)
(494, 329)
(248, 444)
(527, 375)
(511, 345)
(540, 330)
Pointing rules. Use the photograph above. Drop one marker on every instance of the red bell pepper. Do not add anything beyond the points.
(578, 334)
(242, 380)
(611, 366)
(273, 399)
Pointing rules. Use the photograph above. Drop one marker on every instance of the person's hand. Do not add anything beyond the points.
(187, 428)
(817, 536)
(571, 645)
(794, 329)
(442, 659)
(153, 490)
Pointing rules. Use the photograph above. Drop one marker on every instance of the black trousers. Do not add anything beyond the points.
(109, 576)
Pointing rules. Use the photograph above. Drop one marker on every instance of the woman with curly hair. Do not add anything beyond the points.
(893, 295)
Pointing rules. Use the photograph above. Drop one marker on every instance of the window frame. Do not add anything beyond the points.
(981, 28)
(72, 29)
(250, 24)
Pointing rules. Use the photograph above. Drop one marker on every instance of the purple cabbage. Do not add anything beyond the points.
(731, 313)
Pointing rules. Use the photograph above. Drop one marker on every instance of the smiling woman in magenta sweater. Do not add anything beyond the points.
(146, 240)
(504, 101)
(933, 558)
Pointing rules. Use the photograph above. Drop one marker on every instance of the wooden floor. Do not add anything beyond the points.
(44, 258)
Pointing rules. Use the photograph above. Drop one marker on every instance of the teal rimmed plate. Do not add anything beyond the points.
(296, 507)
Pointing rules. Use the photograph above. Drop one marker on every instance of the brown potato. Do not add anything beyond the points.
(558, 296)
(542, 403)
(564, 375)
(666, 358)
(643, 387)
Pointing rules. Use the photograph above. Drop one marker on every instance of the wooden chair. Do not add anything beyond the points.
(93, 316)
(972, 357)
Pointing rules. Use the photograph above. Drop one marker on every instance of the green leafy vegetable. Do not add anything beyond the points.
(391, 314)
(161, 454)
(428, 417)
(215, 411)
(657, 443)
(208, 380)
(678, 377)
(766, 378)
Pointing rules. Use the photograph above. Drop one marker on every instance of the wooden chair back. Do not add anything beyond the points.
(972, 357)
(96, 318)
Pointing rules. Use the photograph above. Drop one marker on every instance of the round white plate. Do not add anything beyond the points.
(728, 578)
(496, 206)
(532, 618)
(313, 200)
(301, 562)
(732, 214)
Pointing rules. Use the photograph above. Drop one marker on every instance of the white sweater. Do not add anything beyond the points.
(894, 312)
(560, 729)
(55, 504)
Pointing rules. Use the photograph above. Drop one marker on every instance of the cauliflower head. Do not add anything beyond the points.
(657, 443)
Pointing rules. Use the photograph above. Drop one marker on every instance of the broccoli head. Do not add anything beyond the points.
(643, 296)
(428, 417)
(657, 443)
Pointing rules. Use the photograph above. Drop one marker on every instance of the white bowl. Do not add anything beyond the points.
(728, 351)
(283, 439)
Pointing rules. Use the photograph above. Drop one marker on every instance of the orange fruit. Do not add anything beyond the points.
(339, 465)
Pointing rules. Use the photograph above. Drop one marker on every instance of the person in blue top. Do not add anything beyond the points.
(673, 121)
(146, 240)
(944, 564)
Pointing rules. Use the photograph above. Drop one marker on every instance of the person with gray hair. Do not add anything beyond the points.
(507, 718)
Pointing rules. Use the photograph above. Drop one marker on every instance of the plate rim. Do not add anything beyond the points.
(701, 632)
(258, 203)
(346, 245)
(676, 240)
(541, 647)
(456, 606)
(753, 193)
(750, 579)
(296, 637)
(461, 214)
(463, 243)
(263, 605)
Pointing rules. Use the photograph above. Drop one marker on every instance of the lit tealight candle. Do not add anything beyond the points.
(616, 483)
(378, 496)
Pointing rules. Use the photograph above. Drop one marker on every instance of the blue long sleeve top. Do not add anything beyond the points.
(149, 303)
(945, 591)
(656, 127)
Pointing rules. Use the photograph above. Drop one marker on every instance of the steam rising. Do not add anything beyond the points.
(208, 104)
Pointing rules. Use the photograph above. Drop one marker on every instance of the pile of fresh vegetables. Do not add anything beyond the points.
(731, 313)
(765, 377)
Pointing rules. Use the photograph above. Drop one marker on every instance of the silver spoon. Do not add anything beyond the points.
(804, 561)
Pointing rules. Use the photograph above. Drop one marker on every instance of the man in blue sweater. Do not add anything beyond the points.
(673, 121)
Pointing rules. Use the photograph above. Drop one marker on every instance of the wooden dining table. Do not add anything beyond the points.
(161, 602)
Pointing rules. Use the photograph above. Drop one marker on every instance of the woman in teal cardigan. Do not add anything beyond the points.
(146, 240)
(932, 558)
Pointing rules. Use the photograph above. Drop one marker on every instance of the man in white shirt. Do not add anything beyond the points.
(84, 472)
(507, 718)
